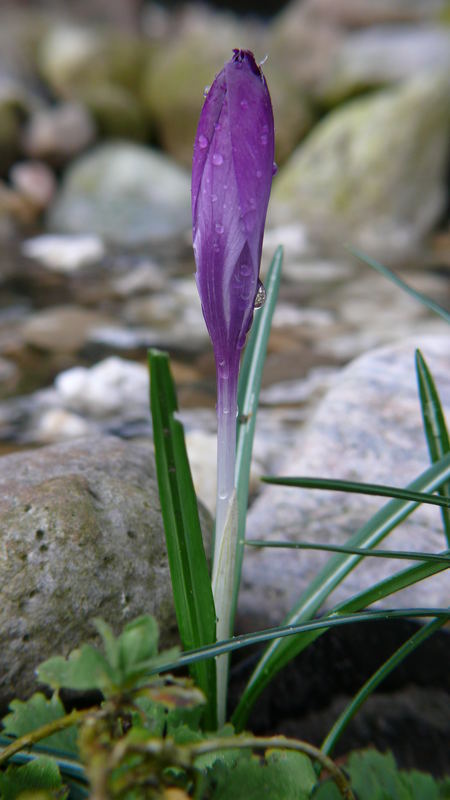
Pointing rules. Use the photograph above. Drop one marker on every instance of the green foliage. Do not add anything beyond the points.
(126, 661)
(191, 583)
(281, 775)
(35, 712)
(435, 428)
(375, 776)
(38, 779)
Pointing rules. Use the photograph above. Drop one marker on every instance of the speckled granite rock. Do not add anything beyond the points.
(80, 537)
(338, 183)
(368, 427)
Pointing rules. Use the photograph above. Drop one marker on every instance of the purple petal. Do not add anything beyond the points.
(231, 180)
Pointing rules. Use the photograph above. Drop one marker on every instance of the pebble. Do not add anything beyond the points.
(64, 253)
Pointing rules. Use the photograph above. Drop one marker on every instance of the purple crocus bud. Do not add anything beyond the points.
(231, 180)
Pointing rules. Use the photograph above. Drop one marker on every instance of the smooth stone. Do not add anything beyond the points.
(81, 537)
(61, 329)
(9, 375)
(353, 14)
(63, 253)
(35, 182)
(126, 193)
(71, 57)
(337, 182)
(113, 386)
(384, 55)
(368, 427)
(59, 133)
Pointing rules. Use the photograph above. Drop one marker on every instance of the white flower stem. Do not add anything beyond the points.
(226, 520)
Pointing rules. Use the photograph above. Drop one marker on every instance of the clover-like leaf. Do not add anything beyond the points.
(27, 716)
(38, 778)
(85, 669)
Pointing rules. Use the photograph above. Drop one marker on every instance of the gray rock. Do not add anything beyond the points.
(58, 134)
(81, 537)
(384, 55)
(64, 253)
(61, 329)
(72, 57)
(129, 194)
(113, 386)
(367, 428)
(372, 173)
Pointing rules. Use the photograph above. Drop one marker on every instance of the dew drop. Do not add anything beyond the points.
(202, 141)
(219, 228)
(206, 91)
(223, 495)
(217, 159)
(245, 269)
(217, 126)
(213, 198)
(243, 104)
(260, 298)
(258, 173)
(274, 168)
(264, 138)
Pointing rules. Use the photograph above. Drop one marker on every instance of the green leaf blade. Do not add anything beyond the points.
(435, 428)
(249, 387)
(279, 653)
(356, 487)
(387, 273)
(194, 603)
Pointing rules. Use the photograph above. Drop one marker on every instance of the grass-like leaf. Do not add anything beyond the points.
(355, 487)
(194, 603)
(289, 631)
(248, 396)
(408, 555)
(383, 522)
(435, 428)
(378, 677)
(387, 273)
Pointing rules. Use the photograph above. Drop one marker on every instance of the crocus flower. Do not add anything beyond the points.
(231, 180)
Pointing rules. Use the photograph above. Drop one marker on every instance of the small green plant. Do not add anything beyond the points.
(153, 735)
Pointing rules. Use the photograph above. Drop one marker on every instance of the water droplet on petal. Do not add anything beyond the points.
(206, 91)
(260, 298)
(202, 141)
(217, 126)
(243, 104)
(274, 168)
(213, 198)
(219, 228)
(217, 159)
(258, 173)
(245, 269)
(264, 138)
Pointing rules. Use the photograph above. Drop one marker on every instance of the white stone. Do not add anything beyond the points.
(113, 386)
(63, 253)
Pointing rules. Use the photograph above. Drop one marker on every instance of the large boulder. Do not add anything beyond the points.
(81, 537)
(127, 193)
(367, 428)
(381, 56)
(372, 173)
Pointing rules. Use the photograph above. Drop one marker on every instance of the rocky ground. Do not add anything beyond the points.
(97, 119)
